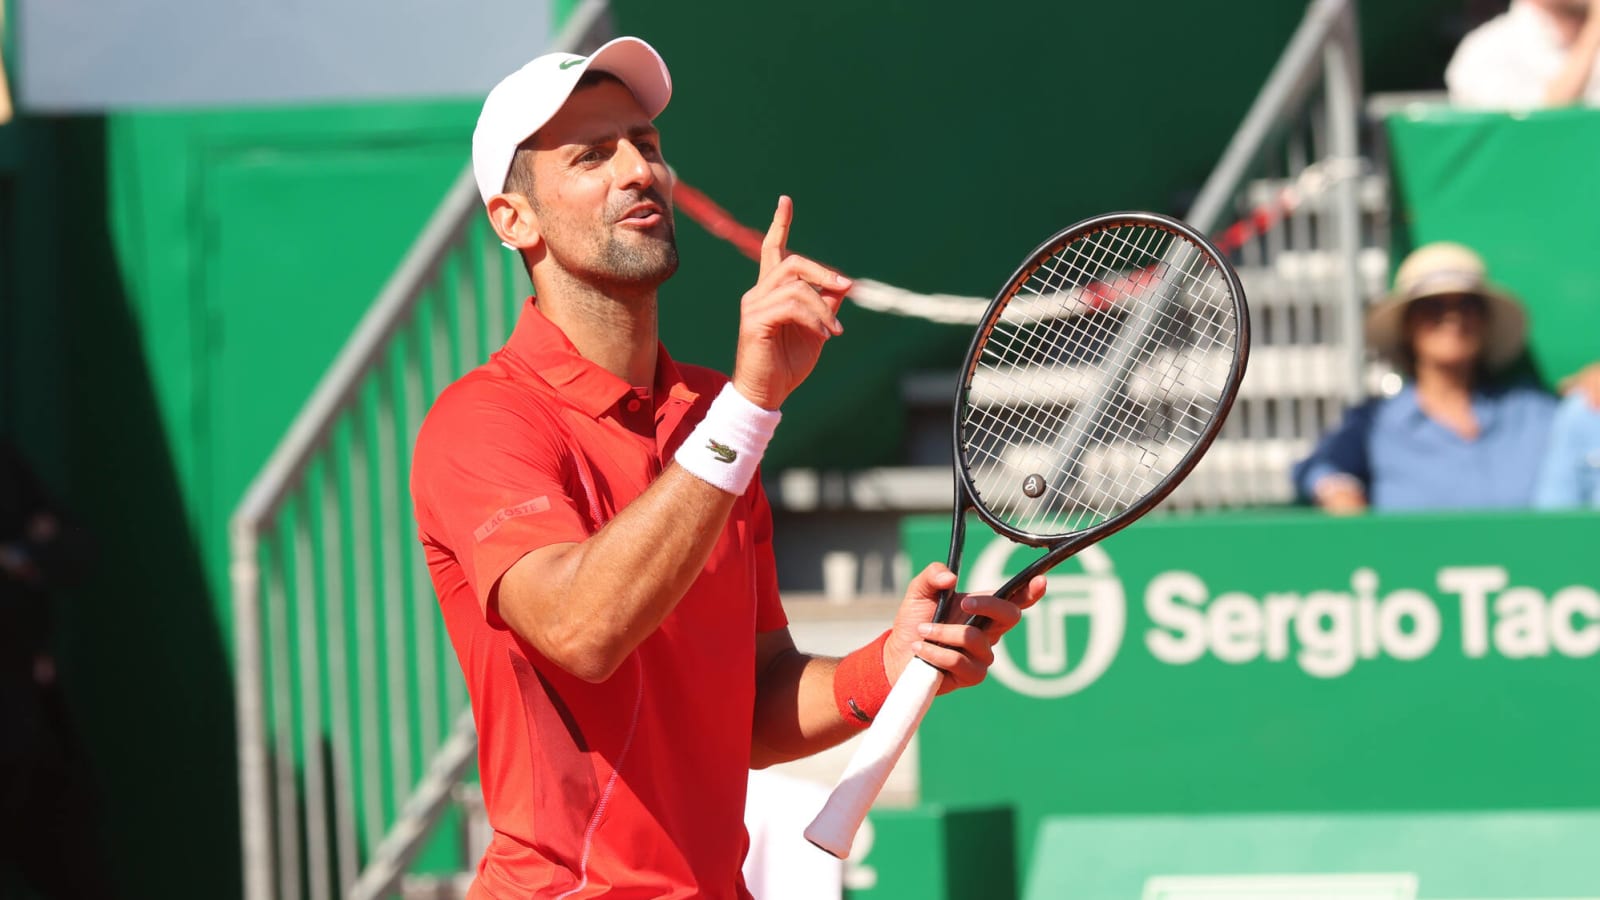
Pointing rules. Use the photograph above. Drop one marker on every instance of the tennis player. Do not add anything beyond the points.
(596, 532)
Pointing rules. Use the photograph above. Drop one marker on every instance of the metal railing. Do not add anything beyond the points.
(352, 716)
(346, 684)
(1312, 254)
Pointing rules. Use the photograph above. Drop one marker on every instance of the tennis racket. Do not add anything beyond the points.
(1098, 377)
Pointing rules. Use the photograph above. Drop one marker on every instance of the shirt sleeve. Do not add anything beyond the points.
(491, 483)
(763, 563)
(1560, 481)
(1342, 451)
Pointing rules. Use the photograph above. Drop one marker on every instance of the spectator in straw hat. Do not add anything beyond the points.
(1452, 437)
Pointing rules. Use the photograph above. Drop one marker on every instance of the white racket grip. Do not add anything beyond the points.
(834, 829)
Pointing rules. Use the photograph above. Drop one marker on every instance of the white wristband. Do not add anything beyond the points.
(726, 447)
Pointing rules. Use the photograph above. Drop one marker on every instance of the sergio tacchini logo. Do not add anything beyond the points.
(1092, 600)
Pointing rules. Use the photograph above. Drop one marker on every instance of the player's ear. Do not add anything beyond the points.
(514, 220)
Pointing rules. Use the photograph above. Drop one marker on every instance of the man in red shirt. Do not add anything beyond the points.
(601, 547)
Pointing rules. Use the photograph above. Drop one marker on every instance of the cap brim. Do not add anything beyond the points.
(639, 67)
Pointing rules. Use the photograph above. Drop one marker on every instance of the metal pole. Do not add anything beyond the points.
(1342, 65)
(392, 857)
(1292, 77)
(250, 715)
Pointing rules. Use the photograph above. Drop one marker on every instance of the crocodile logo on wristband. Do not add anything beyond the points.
(723, 452)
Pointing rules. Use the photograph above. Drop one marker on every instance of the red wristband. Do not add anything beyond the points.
(860, 684)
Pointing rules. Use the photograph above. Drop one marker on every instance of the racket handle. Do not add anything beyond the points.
(834, 829)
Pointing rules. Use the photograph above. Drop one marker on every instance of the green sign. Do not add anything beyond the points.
(1379, 856)
(1287, 662)
(930, 853)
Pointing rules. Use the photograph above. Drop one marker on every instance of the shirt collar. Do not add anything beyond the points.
(1406, 401)
(545, 348)
(1484, 408)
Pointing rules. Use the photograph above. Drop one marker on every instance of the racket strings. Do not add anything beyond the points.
(1120, 412)
(1097, 378)
(1124, 416)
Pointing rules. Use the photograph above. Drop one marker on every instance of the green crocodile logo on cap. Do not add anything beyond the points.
(725, 454)
(572, 62)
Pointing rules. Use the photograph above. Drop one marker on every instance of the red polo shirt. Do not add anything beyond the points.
(634, 787)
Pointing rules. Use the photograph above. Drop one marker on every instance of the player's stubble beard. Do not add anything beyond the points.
(610, 258)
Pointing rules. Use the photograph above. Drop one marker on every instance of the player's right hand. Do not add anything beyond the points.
(963, 652)
(786, 318)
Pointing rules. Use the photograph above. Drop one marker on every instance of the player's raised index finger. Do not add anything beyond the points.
(824, 278)
(776, 244)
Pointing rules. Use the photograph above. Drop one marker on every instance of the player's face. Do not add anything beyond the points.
(1447, 330)
(602, 191)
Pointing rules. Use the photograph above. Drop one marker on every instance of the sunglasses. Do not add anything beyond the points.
(1436, 307)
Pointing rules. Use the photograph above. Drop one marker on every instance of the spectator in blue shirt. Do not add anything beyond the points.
(1570, 476)
(1452, 438)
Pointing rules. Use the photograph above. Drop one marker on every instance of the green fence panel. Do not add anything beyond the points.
(1522, 190)
(1353, 857)
(933, 853)
(1285, 662)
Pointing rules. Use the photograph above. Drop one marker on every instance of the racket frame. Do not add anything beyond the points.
(835, 826)
(1063, 547)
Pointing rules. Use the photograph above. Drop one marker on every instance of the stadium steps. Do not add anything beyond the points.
(1372, 195)
(1300, 277)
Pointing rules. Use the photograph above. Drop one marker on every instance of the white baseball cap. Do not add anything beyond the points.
(528, 98)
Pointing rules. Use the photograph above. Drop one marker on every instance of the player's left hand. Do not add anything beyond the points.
(1585, 381)
(962, 651)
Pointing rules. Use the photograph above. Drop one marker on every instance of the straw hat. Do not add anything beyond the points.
(1446, 268)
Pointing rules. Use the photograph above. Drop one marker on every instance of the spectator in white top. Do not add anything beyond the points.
(1538, 53)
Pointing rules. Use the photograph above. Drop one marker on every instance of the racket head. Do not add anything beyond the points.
(1099, 376)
